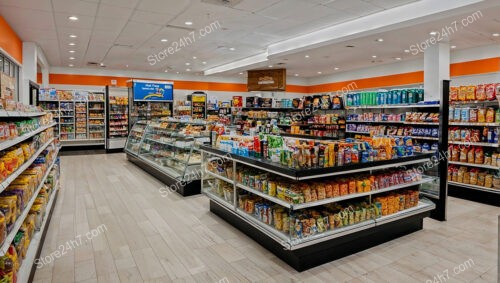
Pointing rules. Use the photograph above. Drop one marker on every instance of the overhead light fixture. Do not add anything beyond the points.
(270, 66)
(296, 75)
(72, 51)
(240, 64)
(336, 68)
(188, 70)
(374, 56)
(397, 58)
(163, 40)
(379, 40)
(177, 72)
(71, 44)
(166, 71)
(187, 63)
(496, 34)
(70, 65)
(73, 18)
(319, 73)
(102, 64)
(71, 58)
(204, 63)
(232, 49)
(126, 66)
(241, 73)
(188, 23)
(307, 56)
(433, 33)
(194, 57)
(453, 46)
(72, 36)
(407, 51)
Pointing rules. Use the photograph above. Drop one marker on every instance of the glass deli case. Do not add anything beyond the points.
(169, 150)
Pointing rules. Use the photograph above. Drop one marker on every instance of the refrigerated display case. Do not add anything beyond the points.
(117, 119)
(169, 150)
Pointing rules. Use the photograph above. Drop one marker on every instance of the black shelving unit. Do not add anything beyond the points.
(305, 253)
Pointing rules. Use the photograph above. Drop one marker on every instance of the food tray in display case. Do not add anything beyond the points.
(312, 216)
(169, 150)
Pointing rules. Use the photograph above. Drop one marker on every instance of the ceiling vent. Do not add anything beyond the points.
(226, 3)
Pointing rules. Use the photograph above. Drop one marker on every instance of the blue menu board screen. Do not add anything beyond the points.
(149, 91)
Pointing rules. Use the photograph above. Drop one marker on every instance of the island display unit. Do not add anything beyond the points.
(168, 149)
(311, 231)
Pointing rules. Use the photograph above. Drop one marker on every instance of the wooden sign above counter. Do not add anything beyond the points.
(267, 80)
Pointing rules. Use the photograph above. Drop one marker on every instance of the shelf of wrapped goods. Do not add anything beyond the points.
(485, 144)
(5, 183)
(26, 210)
(424, 138)
(8, 143)
(359, 133)
(422, 206)
(475, 187)
(386, 106)
(225, 179)
(374, 122)
(7, 114)
(363, 194)
(265, 196)
(220, 200)
(310, 173)
(167, 170)
(481, 102)
(37, 240)
(263, 227)
(474, 124)
(422, 123)
(474, 165)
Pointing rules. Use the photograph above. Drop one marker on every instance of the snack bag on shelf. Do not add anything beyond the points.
(481, 92)
(462, 93)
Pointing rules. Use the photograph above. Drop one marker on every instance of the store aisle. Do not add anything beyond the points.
(136, 235)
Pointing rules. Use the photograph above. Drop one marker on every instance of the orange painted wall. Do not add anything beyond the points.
(457, 69)
(10, 42)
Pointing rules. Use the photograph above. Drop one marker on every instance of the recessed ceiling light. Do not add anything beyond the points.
(163, 40)
(188, 23)
(296, 75)
(188, 70)
(270, 66)
(204, 63)
(187, 63)
(374, 56)
(71, 65)
(397, 58)
(336, 68)
(102, 64)
(72, 51)
(71, 58)
(126, 66)
(307, 56)
(194, 57)
(496, 34)
(433, 33)
(319, 73)
(176, 72)
(379, 40)
(73, 18)
(407, 51)
(232, 49)
(166, 71)
(72, 36)
(453, 46)
(71, 44)
(241, 73)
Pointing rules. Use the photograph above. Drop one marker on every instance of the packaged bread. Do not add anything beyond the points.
(470, 155)
(479, 156)
(473, 176)
(455, 154)
(466, 179)
(463, 154)
(494, 157)
(481, 176)
(487, 158)
(488, 181)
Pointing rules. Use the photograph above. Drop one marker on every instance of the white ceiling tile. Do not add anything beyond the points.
(151, 17)
(104, 36)
(24, 18)
(43, 5)
(106, 24)
(164, 6)
(114, 12)
(286, 8)
(136, 33)
(255, 5)
(84, 22)
(75, 7)
(388, 4)
(121, 3)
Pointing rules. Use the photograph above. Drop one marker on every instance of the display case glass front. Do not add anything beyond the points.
(170, 145)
